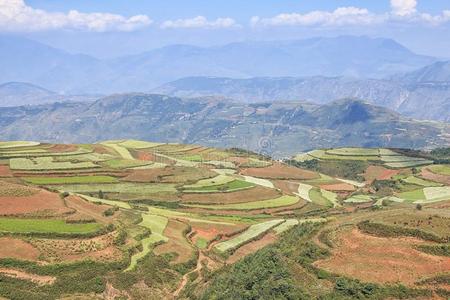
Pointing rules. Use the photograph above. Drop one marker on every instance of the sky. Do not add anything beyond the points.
(110, 28)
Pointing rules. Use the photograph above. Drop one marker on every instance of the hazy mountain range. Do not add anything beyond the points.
(279, 129)
(21, 93)
(25, 60)
(422, 94)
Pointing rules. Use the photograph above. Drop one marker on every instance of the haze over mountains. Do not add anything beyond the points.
(29, 61)
(422, 94)
(279, 129)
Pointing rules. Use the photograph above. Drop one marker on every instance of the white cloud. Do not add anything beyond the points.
(339, 17)
(403, 7)
(200, 22)
(15, 15)
(402, 11)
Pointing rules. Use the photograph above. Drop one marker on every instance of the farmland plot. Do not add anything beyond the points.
(272, 203)
(47, 163)
(253, 232)
(259, 181)
(129, 188)
(156, 224)
(70, 180)
(45, 226)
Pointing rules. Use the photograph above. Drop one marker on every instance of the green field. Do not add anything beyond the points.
(130, 188)
(358, 199)
(272, 203)
(134, 144)
(303, 191)
(440, 169)
(316, 196)
(14, 144)
(156, 224)
(354, 151)
(253, 232)
(126, 163)
(288, 224)
(259, 181)
(408, 164)
(412, 196)
(218, 180)
(47, 163)
(122, 151)
(235, 185)
(419, 181)
(46, 226)
(70, 180)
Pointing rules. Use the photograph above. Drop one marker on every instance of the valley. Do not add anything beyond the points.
(89, 221)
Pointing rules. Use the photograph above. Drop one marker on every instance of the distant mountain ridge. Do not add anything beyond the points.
(280, 129)
(421, 100)
(28, 61)
(22, 93)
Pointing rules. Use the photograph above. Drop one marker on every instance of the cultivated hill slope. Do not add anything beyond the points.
(274, 128)
(85, 221)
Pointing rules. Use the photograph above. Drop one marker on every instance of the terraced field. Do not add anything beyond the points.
(110, 212)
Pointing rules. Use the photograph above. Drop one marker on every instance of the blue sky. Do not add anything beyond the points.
(108, 28)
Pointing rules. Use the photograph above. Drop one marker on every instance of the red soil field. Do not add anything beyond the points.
(42, 202)
(427, 174)
(253, 194)
(382, 260)
(16, 248)
(85, 209)
(97, 248)
(237, 160)
(5, 171)
(146, 156)
(209, 231)
(379, 173)
(338, 187)
(251, 247)
(62, 148)
(287, 187)
(177, 242)
(280, 171)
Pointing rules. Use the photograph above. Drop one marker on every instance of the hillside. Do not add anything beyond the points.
(22, 93)
(276, 128)
(438, 72)
(418, 100)
(28, 61)
(88, 221)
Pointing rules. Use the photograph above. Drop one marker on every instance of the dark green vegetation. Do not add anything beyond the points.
(150, 220)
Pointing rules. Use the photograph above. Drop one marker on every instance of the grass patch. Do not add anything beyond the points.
(252, 233)
(70, 180)
(123, 187)
(232, 186)
(271, 203)
(413, 195)
(47, 163)
(46, 226)
(419, 181)
(440, 169)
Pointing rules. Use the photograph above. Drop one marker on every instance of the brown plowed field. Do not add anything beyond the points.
(98, 248)
(338, 187)
(43, 202)
(5, 171)
(249, 195)
(61, 148)
(427, 174)
(379, 173)
(85, 208)
(19, 249)
(382, 260)
(288, 187)
(280, 171)
(177, 242)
